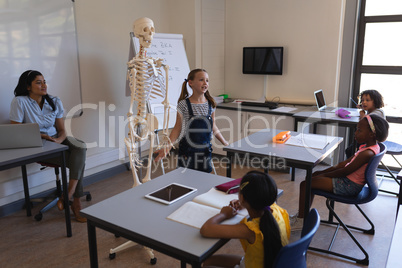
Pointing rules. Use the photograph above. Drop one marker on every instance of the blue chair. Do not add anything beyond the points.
(294, 254)
(368, 193)
(393, 149)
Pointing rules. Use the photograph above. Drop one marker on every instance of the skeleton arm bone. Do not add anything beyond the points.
(173, 137)
(131, 73)
(166, 140)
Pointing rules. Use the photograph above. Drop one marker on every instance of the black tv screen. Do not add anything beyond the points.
(263, 60)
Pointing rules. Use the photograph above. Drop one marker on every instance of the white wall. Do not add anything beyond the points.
(309, 31)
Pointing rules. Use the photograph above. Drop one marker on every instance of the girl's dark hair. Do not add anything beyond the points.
(375, 96)
(184, 92)
(25, 81)
(381, 127)
(260, 192)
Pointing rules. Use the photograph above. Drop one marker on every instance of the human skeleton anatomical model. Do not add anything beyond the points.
(146, 81)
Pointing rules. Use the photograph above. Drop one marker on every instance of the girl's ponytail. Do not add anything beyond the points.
(272, 238)
(184, 92)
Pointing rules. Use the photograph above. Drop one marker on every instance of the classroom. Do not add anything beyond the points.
(319, 52)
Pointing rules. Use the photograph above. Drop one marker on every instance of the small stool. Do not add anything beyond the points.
(393, 149)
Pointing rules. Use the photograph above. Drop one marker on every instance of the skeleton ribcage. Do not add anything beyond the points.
(147, 86)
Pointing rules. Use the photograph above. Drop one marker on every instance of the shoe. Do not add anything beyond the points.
(76, 212)
(60, 203)
(296, 223)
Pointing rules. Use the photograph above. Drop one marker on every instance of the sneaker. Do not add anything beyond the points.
(296, 224)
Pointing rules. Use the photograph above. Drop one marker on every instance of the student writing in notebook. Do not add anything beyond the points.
(262, 234)
(195, 124)
(32, 104)
(347, 178)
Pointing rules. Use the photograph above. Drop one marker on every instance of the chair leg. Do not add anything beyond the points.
(58, 194)
(392, 175)
(365, 260)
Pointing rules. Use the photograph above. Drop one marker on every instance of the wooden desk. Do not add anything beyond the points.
(261, 146)
(132, 216)
(11, 158)
(394, 253)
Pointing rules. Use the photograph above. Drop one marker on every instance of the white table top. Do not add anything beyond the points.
(261, 144)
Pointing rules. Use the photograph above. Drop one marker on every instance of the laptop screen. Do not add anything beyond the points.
(319, 98)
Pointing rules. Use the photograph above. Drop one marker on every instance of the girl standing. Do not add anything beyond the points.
(32, 104)
(262, 235)
(195, 123)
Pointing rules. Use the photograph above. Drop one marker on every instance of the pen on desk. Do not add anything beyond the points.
(354, 102)
(232, 188)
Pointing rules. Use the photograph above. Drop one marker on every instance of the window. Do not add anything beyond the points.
(379, 59)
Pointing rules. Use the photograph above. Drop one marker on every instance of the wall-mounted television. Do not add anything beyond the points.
(263, 60)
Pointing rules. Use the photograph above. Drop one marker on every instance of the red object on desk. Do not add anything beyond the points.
(230, 187)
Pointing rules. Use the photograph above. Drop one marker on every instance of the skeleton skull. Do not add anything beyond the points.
(144, 30)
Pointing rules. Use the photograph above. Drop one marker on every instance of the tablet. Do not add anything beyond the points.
(171, 193)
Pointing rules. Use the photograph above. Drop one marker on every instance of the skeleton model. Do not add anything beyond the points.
(146, 81)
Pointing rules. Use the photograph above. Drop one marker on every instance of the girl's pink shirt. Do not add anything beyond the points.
(358, 176)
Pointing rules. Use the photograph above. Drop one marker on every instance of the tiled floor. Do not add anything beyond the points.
(27, 243)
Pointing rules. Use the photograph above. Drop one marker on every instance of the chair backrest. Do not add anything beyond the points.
(370, 192)
(294, 254)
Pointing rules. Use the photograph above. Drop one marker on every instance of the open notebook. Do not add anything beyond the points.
(314, 141)
(203, 207)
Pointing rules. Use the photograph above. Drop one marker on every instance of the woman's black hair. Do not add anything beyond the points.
(375, 96)
(260, 192)
(381, 127)
(25, 81)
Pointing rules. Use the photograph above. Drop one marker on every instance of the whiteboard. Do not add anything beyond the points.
(170, 48)
(39, 36)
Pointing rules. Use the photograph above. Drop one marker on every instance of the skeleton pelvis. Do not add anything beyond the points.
(142, 127)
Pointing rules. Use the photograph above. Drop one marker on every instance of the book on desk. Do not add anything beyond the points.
(194, 213)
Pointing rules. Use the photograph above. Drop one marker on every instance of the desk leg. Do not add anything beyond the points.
(65, 191)
(308, 191)
(229, 165)
(26, 190)
(93, 250)
(293, 173)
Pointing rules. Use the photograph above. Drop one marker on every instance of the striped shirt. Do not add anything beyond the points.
(198, 109)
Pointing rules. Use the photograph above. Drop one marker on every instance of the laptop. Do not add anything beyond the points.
(13, 136)
(320, 100)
